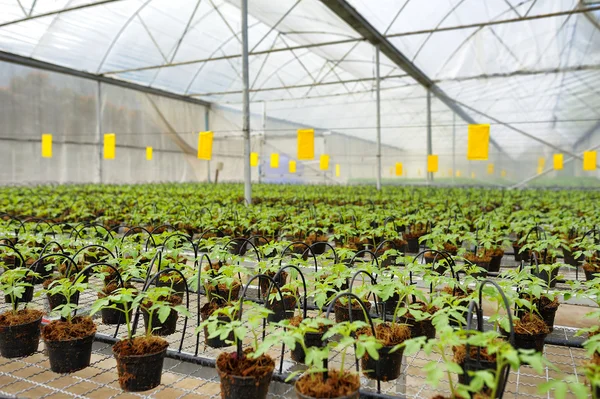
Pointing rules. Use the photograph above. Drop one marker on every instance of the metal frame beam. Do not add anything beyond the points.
(378, 105)
(353, 18)
(587, 134)
(246, 107)
(61, 11)
(300, 86)
(346, 41)
(33, 63)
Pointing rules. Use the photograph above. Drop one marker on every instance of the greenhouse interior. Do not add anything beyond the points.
(247, 199)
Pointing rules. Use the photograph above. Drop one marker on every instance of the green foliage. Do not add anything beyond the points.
(14, 282)
(67, 287)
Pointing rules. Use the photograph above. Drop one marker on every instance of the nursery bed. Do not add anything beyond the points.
(30, 377)
(193, 376)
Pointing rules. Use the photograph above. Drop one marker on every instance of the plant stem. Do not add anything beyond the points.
(343, 361)
(451, 385)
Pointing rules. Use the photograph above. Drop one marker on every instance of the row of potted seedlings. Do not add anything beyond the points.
(437, 309)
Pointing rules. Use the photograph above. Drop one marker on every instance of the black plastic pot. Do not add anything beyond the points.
(236, 387)
(570, 259)
(548, 315)
(44, 274)
(222, 294)
(300, 395)
(389, 261)
(113, 316)
(161, 329)
(388, 306)
(178, 287)
(140, 373)
(387, 368)
(334, 291)
(439, 267)
(342, 314)
(59, 299)
(518, 257)
(11, 261)
(311, 339)
(472, 364)
(25, 298)
(543, 274)
(423, 328)
(238, 247)
(264, 283)
(276, 306)
(318, 248)
(215, 342)
(495, 263)
(413, 245)
(527, 341)
(589, 275)
(20, 340)
(71, 355)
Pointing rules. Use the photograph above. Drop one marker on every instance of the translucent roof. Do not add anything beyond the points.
(528, 65)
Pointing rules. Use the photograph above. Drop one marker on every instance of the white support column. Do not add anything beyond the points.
(429, 144)
(246, 106)
(453, 146)
(263, 139)
(99, 132)
(378, 97)
(206, 129)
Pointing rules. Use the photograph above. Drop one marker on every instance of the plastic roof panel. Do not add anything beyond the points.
(539, 74)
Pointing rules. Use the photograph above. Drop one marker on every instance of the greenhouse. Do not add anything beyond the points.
(299, 199)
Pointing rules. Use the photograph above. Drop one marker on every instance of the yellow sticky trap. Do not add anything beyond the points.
(46, 145)
(540, 169)
(419, 172)
(337, 170)
(399, 169)
(148, 153)
(490, 168)
(205, 144)
(472, 175)
(292, 166)
(450, 172)
(478, 142)
(458, 173)
(306, 144)
(274, 160)
(589, 160)
(503, 173)
(558, 161)
(541, 162)
(110, 142)
(324, 162)
(432, 163)
(254, 159)
(391, 171)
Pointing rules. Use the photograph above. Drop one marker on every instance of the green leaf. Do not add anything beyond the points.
(163, 313)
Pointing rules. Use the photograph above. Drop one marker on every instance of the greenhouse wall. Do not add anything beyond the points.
(33, 102)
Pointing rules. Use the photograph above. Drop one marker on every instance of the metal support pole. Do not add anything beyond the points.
(263, 139)
(246, 105)
(378, 100)
(206, 129)
(453, 146)
(429, 144)
(99, 131)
